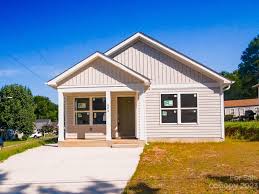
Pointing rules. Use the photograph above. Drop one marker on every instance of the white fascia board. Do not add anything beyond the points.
(170, 51)
(88, 60)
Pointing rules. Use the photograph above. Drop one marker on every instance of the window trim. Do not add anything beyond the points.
(179, 108)
(91, 111)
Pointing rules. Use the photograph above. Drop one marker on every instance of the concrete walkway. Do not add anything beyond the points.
(51, 169)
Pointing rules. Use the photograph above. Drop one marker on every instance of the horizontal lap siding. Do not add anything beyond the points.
(209, 115)
(157, 66)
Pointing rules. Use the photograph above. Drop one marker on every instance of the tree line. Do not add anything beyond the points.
(247, 74)
(19, 109)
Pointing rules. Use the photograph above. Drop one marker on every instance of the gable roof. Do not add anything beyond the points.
(243, 102)
(53, 82)
(169, 51)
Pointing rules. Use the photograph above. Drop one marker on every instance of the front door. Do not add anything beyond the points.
(126, 117)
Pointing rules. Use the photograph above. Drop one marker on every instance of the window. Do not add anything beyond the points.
(82, 111)
(82, 118)
(99, 110)
(179, 108)
(169, 108)
(188, 108)
(90, 111)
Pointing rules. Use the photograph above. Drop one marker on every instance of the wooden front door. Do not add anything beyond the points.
(126, 117)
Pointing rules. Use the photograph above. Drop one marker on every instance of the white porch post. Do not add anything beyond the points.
(108, 116)
(61, 135)
(142, 126)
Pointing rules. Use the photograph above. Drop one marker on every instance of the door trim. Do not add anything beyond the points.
(134, 95)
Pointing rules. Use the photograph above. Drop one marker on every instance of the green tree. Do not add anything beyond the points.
(234, 92)
(45, 109)
(17, 109)
(249, 69)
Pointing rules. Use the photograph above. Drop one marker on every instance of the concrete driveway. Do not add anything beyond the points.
(51, 169)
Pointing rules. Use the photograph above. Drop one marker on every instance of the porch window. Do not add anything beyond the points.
(90, 111)
(82, 111)
(179, 108)
(99, 110)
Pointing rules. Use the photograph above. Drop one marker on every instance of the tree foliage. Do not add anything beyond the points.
(247, 74)
(17, 109)
(45, 109)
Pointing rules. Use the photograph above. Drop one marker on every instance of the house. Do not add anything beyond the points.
(39, 123)
(140, 89)
(238, 107)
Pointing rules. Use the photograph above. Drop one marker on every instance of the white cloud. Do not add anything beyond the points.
(8, 72)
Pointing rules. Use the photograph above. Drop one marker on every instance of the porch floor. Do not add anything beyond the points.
(114, 143)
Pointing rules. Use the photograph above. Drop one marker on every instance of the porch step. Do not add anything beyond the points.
(84, 143)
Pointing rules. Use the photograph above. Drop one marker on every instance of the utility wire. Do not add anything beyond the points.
(25, 66)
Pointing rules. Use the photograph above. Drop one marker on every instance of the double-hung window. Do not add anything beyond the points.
(179, 108)
(169, 108)
(82, 111)
(90, 111)
(189, 108)
(99, 110)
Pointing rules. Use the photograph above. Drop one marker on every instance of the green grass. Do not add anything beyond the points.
(243, 130)
(226, 167)
(15, 147)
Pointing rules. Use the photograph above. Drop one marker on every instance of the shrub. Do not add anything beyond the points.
(242, 130)
(257, 117)
(228, 117)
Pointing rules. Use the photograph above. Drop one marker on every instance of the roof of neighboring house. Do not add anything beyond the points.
(242, 103)
(43, 120)
(256, 86)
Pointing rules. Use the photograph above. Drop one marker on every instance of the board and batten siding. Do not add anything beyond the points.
(209, 115)
(99, 72)
(157, 66)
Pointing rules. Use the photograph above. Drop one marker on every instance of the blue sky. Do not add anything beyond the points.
(49, 36)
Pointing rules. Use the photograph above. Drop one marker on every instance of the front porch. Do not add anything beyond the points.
(88, 117)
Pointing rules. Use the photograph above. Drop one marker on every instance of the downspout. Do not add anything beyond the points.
(223, 89)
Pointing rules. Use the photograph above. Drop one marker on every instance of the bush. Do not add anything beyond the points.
(48, 129)
(257, 117)
(228, 117)
(242, 130)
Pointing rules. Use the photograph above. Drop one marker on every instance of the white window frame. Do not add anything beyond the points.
(179, 108)
(93, 111)
(90, 111)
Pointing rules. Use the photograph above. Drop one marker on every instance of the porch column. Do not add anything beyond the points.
(108, 116)
(142, 126)
(61, 135)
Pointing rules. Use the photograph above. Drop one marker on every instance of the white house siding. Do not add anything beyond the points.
(157, 66)
(239, 111)
(99, 72)
(209, 115)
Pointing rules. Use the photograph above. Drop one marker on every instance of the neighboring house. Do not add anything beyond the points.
(238, 107)
(140, 89)
(39, 123)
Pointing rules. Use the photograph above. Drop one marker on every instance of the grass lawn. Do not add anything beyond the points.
(15, 147)
(227, 167)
